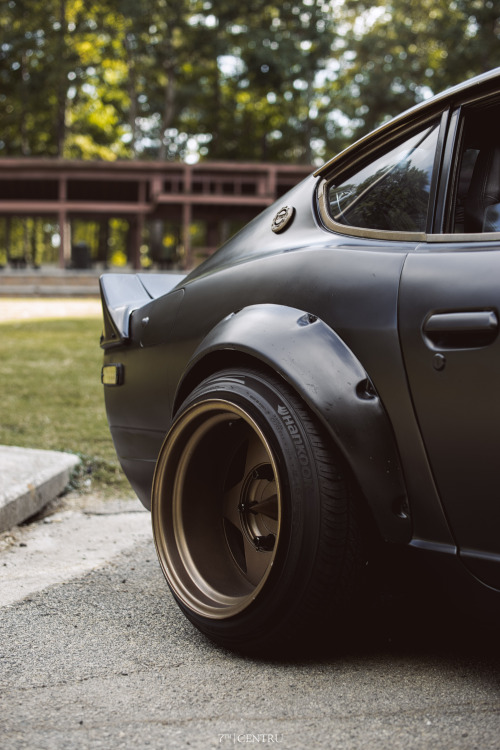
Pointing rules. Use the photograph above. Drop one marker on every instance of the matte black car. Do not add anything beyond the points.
(326, 384)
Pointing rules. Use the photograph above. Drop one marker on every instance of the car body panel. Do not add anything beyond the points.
(390, 338)
(353, 267)
(312, 358)
(449, 308)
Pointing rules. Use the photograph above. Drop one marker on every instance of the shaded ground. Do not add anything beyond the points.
(105, 659)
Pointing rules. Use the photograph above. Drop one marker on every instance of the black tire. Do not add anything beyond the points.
(253, 518)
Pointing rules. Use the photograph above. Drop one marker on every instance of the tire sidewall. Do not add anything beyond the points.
(278, 413)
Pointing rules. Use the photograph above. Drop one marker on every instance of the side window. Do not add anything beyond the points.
(476, 204)
(390, 193)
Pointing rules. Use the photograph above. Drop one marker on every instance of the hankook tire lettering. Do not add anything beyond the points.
(299, 443)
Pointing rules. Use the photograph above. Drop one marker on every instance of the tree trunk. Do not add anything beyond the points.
(168, 111)
(62, 86)
(132, 94)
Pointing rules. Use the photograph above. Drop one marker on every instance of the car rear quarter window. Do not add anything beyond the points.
(391, 193)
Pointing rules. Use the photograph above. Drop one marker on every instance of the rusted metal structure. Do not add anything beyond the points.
(140, 192)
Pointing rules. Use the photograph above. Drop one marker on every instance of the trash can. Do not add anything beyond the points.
(80, 256)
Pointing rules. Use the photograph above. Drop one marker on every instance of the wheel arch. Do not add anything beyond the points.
(328, 377)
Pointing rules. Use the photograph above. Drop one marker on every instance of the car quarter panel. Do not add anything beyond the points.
(320, 368)
(351, 286)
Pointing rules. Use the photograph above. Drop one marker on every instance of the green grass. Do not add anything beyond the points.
(52, 397)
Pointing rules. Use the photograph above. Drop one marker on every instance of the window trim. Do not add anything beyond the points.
(446, 184)
(442, 182)
(376, 234)
(364, 157)
(464, 238)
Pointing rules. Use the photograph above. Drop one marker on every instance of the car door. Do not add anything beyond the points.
(449, 318)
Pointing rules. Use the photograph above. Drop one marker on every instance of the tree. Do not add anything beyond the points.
(264, 78)
(188, 79)
(55, 105)
(156, 43)
(394, 54)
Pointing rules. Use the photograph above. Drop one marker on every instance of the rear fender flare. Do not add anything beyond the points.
(324, 372)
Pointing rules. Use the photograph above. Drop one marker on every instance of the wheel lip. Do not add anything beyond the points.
(221, 606)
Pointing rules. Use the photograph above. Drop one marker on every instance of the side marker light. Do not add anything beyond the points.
(112, 374)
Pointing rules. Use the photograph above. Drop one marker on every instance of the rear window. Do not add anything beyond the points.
(391, 192)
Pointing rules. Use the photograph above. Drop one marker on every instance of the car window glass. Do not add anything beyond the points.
(390, 193)
(476, 206)
(469, 158)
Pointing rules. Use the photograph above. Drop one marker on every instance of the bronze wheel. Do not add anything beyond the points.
(251, 515)
(218, 520)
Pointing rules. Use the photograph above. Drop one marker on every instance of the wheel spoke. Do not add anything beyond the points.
(231, 503)
(256, 562)
(268, 507)
(236, 542)
(249, 544)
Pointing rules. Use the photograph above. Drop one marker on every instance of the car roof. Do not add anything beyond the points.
(428, 106)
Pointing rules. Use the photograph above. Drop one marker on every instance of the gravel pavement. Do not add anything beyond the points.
(94, 653)
(106, 660)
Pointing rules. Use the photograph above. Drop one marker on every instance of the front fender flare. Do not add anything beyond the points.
(319, 366)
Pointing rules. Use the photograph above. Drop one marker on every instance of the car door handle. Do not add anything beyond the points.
(461, 330)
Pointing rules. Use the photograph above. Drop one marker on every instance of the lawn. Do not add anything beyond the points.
(52, 396)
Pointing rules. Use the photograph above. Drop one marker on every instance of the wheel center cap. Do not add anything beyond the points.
(258, 508)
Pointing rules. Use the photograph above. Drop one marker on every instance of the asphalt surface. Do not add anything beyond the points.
(101, 657)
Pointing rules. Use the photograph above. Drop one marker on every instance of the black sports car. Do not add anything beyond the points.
(325, 384)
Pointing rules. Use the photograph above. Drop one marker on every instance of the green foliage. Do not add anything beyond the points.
(396, 53)
(106, 239)
(29, 240)
(188, 79)
(52, 395)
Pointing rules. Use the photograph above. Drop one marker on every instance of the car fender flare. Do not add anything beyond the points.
(315, 361)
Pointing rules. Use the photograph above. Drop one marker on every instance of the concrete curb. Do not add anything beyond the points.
(29, 479)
